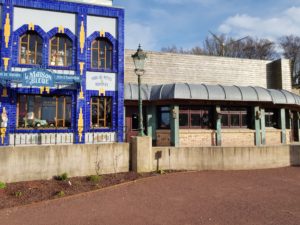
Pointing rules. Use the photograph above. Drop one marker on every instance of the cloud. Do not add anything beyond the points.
(184, 2)
(136, 34)
(288, 22)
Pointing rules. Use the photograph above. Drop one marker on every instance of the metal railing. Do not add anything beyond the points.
(53, 136)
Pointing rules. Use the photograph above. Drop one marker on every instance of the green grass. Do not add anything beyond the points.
(2, 185)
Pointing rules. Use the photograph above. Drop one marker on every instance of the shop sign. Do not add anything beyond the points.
(38, 78)
(97, 81)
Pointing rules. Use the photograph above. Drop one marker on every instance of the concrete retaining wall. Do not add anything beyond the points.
(225, 158)
(44, 162)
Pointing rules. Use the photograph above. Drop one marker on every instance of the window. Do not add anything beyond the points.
(234, 117)
(101, 55)
(44, 111)
(60, 51)
(164, 117)
(101, 112)
(30, 51)
(271, 118)
(195, 117)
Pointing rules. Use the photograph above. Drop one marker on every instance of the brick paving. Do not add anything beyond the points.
(215, 197)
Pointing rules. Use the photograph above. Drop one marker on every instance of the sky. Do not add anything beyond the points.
(185, 23)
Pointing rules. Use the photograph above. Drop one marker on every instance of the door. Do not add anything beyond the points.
(132, 122)
(294, 128)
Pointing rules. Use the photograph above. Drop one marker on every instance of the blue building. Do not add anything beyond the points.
(62, 72)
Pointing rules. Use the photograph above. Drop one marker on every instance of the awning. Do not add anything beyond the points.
(187, 91)
(38, 78)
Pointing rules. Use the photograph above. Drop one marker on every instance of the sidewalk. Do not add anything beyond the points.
(230, 197)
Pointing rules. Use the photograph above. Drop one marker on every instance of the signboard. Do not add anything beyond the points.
(38, 78)
(96, 81)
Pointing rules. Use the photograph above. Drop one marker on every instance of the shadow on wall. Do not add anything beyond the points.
(295, 155)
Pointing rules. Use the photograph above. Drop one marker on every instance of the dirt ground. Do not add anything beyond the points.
(259, 197)
(22, 193)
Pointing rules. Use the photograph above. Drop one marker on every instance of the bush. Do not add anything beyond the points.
(2, 185)
(94, 178)
(62, 177)
(61, 194)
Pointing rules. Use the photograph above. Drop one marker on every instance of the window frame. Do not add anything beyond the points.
(229, 111)
(104, 113)
(160, 110)
(191, 110)
(56, 121)
(98, 49)
(21, 44)
(59, 37)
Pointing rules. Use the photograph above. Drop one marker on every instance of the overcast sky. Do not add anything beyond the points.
(185, 23)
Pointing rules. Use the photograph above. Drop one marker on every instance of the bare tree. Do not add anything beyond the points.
(220, 45)
(291, 50)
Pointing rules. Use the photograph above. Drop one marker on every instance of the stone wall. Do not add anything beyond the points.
(44, 162)
(238, 137)
(273, 136)
(197, 138)
(165, 68)
(225, 158)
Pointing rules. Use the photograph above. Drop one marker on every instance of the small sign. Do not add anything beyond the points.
(97, 81)
(38, 78)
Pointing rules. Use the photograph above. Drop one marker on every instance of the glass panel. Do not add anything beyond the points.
(164, 120)
(48, 111)
(206, 120)
(43, 111)
(108, 112)
(244, 120)
(94, 115)
(134, 122)
(235, 120)
(224, 120)
(95, 58)
(183, 119)
(23, 58)
(195, 120)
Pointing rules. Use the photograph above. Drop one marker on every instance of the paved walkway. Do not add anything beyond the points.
(234, 198)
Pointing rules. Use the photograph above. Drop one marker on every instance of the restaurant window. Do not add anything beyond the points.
(195, 117)
(44, 111)
(234, 117)
(101, 112)
(101, 55)
(271, 118)
(60, 50)
(164, 117)
(31, 47)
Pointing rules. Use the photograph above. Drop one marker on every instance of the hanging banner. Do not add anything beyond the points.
(38, 78)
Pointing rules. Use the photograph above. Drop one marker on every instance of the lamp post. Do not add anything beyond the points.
(139, 61)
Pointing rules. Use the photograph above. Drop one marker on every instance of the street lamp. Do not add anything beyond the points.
(139, 61)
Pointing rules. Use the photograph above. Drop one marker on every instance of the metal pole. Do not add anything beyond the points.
(141, 129)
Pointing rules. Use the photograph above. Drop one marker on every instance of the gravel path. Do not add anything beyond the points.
(216, 197)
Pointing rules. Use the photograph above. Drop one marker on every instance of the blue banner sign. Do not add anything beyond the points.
(38, 78)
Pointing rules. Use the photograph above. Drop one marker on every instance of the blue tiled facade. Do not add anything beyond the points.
(9, 53)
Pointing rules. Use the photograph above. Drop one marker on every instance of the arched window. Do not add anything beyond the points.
(101, 57)
(60, 50)
(31, 47)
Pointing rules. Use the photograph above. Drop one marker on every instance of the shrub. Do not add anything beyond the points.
(61, 194)
(2, 185)
(63, 176)
(18, 194)
(94, 178)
